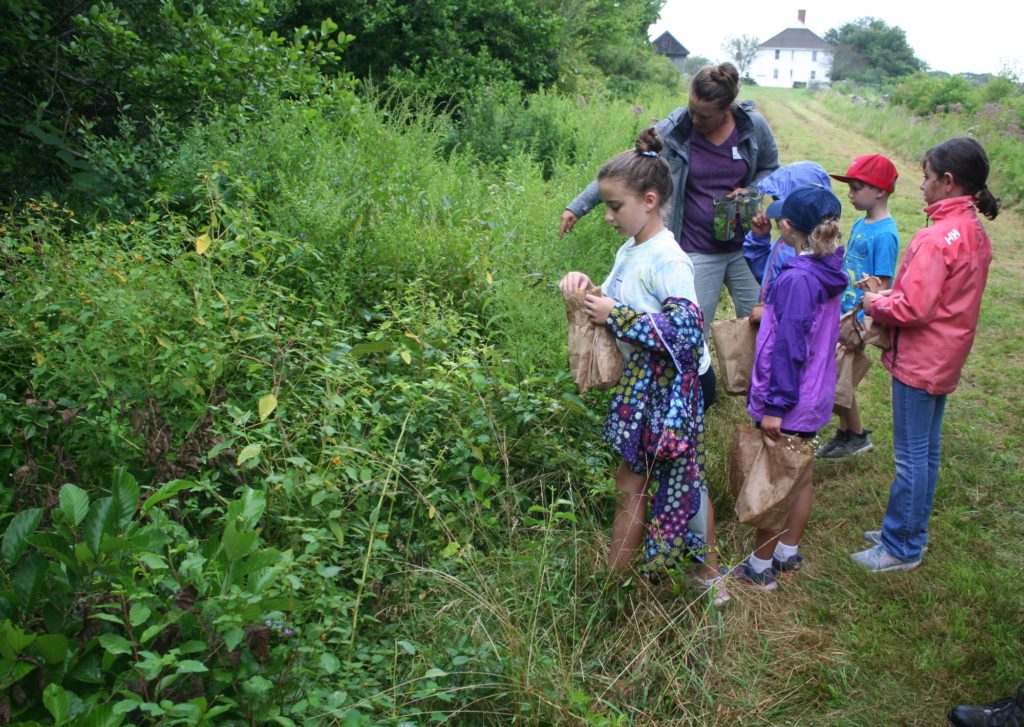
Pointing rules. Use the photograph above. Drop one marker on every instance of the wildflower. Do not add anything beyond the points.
(335, 460)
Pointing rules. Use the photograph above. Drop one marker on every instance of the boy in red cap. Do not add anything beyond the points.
(872, 249)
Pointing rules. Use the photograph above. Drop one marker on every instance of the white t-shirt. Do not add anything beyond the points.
(646, 274)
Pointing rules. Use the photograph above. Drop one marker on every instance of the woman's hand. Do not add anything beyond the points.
(756, 313)
(574, 281)
(771, 426)
(567, 222)
(598, 307)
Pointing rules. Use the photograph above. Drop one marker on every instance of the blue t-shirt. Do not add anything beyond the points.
(872, 249)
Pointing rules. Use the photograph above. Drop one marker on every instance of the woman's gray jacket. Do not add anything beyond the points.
(756, 146)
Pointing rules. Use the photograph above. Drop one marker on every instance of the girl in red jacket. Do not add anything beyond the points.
(932, 310)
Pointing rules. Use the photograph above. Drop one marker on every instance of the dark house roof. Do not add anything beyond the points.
(798, 38)
(667, 45)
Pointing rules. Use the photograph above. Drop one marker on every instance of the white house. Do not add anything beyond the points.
(794, 57)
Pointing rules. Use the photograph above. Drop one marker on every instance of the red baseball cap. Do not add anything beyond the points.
(873, 169)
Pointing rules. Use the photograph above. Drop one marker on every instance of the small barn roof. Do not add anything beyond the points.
(667, 45)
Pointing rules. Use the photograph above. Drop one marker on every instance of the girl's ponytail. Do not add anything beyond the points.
(642, 168)
(824, 238)
(986, 202)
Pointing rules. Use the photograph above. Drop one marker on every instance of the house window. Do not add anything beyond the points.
(814, 55)
(813, 75)
(790, 72)
(792, 54)
(777, 54)
(775, 73)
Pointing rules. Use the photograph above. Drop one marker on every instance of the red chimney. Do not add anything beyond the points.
(801, 15)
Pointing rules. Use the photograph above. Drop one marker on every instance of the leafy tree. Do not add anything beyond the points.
(443, 48)
(742, 50)
(869, 49)
(71, 72)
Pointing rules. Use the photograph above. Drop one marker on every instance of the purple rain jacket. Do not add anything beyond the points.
(794, 374)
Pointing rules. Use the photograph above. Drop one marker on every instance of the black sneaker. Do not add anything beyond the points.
(854, 444)
(840, 438)
(1004, 713)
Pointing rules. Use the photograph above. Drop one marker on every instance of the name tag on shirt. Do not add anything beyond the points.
(736, 154)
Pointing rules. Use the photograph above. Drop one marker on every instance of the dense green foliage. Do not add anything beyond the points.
(870, 50)
(74, 76)
(286, 435)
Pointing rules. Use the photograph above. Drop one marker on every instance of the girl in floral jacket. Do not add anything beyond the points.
(656, 417)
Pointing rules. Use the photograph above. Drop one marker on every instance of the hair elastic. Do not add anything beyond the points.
(648, 153)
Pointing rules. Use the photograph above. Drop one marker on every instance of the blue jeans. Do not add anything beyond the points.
(916, 440)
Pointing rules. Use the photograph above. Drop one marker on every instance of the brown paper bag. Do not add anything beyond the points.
(594, 359)
(876, 334)
(767, 474)
(851, 366)
(850, 331)
(734, 346)
(856, 334)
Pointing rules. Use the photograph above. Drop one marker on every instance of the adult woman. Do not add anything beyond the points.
(714, 147)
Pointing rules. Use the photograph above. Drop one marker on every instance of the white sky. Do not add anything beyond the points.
(982, 36)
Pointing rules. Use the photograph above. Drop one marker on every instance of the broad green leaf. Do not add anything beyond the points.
(233, 638)
(247, 510)
(329, 663)
(57, 702)
(166, 491)
(52, 647)
(435, 674)
(28, 579)
(101, 715)
(251, 451)
(22, 525)
(74, 501)
(139, 614)
(267, 404)
(99, 522)
(115, 644)
(125, 493)
(191, 666)
(237, 544)
(202, 244)
(257, 685)
(55, 547)
(406, 356)
(13, 640)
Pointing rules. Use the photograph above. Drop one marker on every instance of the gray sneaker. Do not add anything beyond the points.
(878, 560)
(875, 538)
(854, 444)
(840, 438)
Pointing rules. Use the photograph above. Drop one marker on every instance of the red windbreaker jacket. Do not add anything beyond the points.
(936, 297)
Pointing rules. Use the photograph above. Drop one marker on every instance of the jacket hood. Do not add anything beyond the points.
(826, 270)
(785, 179)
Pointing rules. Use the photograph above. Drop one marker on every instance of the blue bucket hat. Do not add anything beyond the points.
(808, 205)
